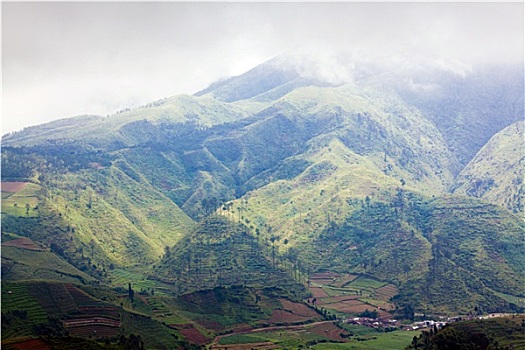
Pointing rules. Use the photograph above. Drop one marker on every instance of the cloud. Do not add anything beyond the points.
(67, 58)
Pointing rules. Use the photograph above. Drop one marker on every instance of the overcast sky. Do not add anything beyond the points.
(64, 59)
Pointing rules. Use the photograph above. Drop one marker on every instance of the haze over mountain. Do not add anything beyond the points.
(409, 175)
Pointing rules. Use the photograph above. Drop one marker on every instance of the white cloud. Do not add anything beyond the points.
(65, 59)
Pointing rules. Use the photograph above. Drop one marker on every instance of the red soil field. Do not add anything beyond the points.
(346, 304)
(102, 331)
(356, 309)
(80, 297)
(194, 336)
(343, 280)
(242, 327)
(24, 243)
(318, 292)
(32, 344)
(328, 330)
(250, 346)
(298, 308)
(12, 186)
(212, 325)
(386, 292)
(283, 316)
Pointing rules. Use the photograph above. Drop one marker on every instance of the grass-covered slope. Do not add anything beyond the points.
(445, 254)
(259, 80)
(93, 214)
(219, 252)
(496, 174)
(127, 128)
(23, 259)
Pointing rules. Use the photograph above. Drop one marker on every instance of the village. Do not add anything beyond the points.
(388, 324)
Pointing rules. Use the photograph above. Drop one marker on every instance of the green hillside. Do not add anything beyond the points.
(96, 216)
(220, 252)
(496, 174)
(232, 210)
(437, 251)
(126, 128)
(22, 259)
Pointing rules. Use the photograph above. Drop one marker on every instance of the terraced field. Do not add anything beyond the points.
(351, 294)
(20, 310)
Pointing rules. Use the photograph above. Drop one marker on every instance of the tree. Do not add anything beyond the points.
(273, 239)
(131, 293)
(92, 246)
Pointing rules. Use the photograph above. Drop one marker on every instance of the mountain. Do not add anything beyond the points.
(496, 173)
(404, 177)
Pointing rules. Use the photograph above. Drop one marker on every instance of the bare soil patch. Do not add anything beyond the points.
(12, 186)
(386, 292)
(298, 308)
(283, 316)
(194, 336)
(32, 344)
(210, 324)
(328, 330)
(318, 292)
(24, 243)
(249, 346)
(356, 309)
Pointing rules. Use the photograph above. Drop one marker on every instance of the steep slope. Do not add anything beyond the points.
(23, 259)
(461, 100)
(467, 104)
(441, 252)
(97, 217)
(360, 146)
(259, 80)
(496, 174)
(219, 252)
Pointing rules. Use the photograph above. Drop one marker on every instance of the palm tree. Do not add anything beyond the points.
(273, 238)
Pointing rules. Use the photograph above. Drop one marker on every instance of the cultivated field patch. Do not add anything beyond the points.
(31, 344)
(24, 243)
(352, 294)
(22, 200)
(329, 331)
(194, 335)
(13, 187)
